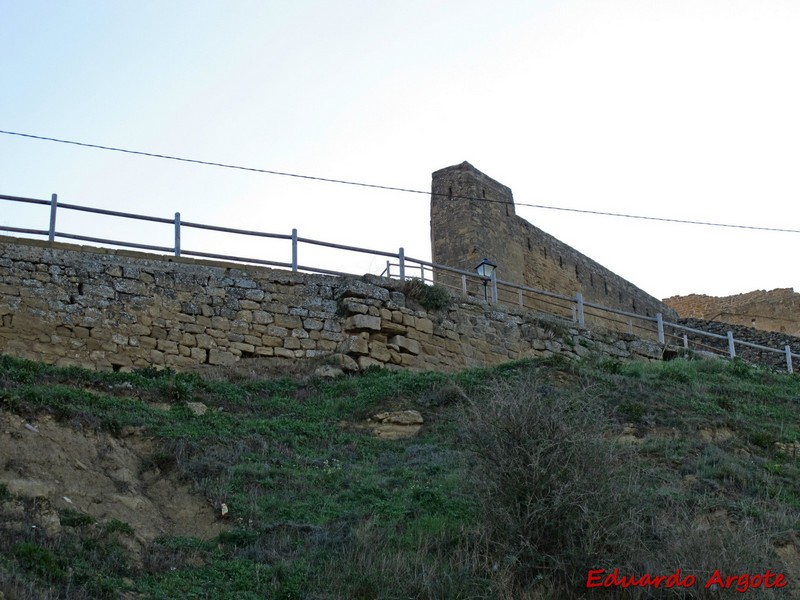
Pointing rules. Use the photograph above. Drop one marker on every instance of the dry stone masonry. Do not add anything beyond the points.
(111, 309)
(776, 310)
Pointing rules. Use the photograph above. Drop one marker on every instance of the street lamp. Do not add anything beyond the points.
(485, 270)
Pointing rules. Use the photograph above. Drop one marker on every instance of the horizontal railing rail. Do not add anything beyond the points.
(572, 309)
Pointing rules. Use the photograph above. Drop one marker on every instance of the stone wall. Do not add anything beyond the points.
(473, 216)
(113, 309)
(741, 333)
(777, 310)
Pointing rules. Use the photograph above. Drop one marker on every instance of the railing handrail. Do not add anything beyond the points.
(578, 314)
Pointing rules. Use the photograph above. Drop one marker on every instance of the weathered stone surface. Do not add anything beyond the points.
(354, 345)
(396, 425)
(393, 328)
(379, 351)
(355, 288)
(362, 323)
(405, 344)
(55, 306)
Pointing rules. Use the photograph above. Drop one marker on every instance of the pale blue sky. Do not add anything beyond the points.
(681, 108)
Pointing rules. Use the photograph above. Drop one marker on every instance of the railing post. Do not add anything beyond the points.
(464, 283)
(51, 235)
(788, 350)
(401, 255)
(660, 323)
(177, 234)
(519, 297)
(579, 302)
(686, 341)
(388, 269)
(422, 272)
(294, 250)
(494, 287)
(731, 347)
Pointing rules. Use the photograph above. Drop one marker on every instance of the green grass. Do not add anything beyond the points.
(321, 510)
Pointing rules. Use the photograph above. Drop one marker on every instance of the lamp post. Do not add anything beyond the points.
(485, 270)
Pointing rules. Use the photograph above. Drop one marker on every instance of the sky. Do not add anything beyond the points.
(680, 109)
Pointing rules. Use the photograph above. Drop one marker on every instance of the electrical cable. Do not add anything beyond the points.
(390, 188)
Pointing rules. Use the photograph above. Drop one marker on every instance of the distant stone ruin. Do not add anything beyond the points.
(777, 310)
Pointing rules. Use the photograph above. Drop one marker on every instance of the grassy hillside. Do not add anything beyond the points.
(523, 480)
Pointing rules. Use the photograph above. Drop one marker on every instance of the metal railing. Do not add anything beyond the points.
(571, 309)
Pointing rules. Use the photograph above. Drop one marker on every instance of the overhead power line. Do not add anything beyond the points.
(388, 187)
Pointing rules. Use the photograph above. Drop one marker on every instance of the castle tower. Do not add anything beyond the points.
(472, 217)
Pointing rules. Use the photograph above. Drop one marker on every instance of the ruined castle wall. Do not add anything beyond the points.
(113, 309)
(473, 216)
(776, 310)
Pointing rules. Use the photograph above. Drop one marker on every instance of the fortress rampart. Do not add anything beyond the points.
(473, 216)
(112, 309)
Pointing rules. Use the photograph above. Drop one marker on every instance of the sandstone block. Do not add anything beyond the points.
(291, 343)
(365, 362)
(379, 351)
(272, 341)
(220, 357)
(312, 324)
(356, 288)
(243, 347)
(424, 325)
(362, 323)
(167, 347)
(262, 318)
(354, 345)
(343, 361)
(406, 344)
(288, 321)
(352, 306)
(390, 327)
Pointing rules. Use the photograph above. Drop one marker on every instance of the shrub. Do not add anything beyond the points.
(430, 297)
(556, 492)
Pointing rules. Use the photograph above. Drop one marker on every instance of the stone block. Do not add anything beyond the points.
(271, 341)
(405, 344)
(390, 327)
(365, 362)
(354, 345)
(352, 306)
(262, 317)
(356, 288)
(424, 325)
(362, 323)
(288, 321)
(312, 324)
(379, 351)
(220, 357)
(291, 343)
